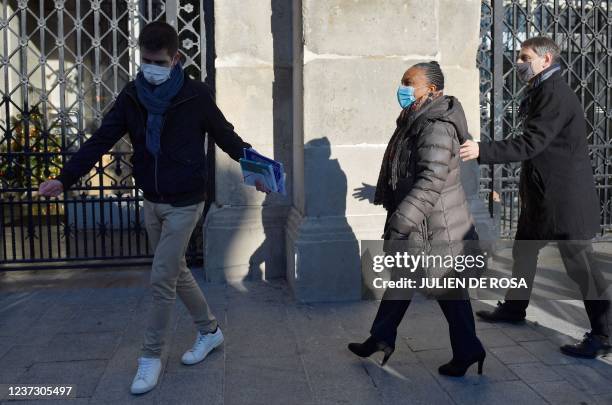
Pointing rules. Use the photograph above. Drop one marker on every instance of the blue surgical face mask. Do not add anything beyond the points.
(155, 74)
(405, 96)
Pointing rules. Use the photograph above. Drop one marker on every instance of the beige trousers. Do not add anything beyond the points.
(169, 229)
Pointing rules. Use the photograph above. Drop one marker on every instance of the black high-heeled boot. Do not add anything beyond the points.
(456, 368)
(371, 346)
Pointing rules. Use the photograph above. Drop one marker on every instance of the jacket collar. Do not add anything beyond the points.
(544, 75)
(409, 117)
(551, 72)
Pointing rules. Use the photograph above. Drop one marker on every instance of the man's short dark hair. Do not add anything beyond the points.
(542, 45)
(159, 35)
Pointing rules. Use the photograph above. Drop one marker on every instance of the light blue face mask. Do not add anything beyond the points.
(155, 74)
(405, 96)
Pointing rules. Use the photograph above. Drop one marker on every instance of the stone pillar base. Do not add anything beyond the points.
(323, 262)
(244, 243)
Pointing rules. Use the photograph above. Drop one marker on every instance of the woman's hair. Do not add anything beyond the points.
(433, 73)
(159, 35)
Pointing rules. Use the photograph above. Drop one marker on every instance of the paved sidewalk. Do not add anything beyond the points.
(85, 328)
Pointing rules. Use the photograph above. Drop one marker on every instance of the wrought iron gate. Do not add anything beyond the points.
(583, 29)
(62, 63)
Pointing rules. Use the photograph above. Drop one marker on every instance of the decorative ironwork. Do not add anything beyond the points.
(583, 29)
(62, 64)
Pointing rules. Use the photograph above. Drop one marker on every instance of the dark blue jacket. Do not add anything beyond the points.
(178, 175)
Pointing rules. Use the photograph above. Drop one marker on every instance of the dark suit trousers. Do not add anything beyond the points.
(580, 266)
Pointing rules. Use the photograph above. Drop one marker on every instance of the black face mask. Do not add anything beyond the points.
(525, 72)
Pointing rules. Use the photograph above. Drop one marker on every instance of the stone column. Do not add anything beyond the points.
(348, 59)
(459, 30)
(244, 230)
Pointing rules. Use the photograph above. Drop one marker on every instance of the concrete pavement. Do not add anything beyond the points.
(85, 328)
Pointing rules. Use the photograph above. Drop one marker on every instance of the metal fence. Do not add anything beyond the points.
(62, 64)
(583, 29)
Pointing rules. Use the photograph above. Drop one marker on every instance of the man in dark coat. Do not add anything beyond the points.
(166, 115)
(557, 190)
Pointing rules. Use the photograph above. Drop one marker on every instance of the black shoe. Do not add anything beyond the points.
(456, 368)
(590, 347)
(371, 346)
(502, 314)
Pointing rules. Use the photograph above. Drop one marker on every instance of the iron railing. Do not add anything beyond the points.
(62, 65)
(583, 29)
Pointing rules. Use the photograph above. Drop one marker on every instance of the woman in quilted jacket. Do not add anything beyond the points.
(420, 187)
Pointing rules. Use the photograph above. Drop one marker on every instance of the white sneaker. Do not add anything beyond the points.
(147, 375)
(203, 345)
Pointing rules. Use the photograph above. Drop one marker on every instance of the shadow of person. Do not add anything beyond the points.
(268, 260)
(330, 245)
(365, 192)
(263, 254)
(327, 184)
(325, 177)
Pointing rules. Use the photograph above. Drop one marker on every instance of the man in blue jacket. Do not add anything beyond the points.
(166, 115)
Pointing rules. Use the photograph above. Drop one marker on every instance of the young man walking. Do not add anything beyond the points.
(166, 115)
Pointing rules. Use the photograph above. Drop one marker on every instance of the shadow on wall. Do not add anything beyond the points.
(324, 175)
(268, 252)
(327, 250)
(270, 255)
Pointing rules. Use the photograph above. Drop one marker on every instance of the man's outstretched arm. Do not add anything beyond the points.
(113, 127)
(224, 135)
(543, 124)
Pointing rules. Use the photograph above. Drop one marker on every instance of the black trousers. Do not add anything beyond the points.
(458, 313)
(580, 266)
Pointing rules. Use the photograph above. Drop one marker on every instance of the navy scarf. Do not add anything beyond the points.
(156, 100)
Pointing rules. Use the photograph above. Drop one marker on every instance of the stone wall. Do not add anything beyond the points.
(347, 68)
(316, 90)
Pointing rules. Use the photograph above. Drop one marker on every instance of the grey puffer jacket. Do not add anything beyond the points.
(429, 202)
